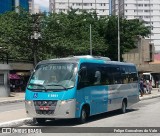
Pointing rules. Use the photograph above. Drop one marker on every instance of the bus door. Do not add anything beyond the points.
(96, 89)
(93, 91)
(84, 89)
(98, 99)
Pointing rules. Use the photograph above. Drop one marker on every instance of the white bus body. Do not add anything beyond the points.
(148, 77)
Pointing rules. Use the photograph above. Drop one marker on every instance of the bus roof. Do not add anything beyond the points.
(146, 73)
(85, 58)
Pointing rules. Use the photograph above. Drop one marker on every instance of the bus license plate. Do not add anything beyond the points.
(44, 107)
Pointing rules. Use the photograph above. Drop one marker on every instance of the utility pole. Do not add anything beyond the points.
(118, 34)
(90, 39)
(36, 35)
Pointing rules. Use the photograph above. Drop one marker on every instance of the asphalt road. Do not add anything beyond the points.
(11, 106)
(145, 114)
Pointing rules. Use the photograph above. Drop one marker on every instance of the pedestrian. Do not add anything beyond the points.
(150, 87)
(145, 85)
(141, 87)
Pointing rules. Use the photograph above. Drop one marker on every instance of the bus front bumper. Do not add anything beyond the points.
(51, 109)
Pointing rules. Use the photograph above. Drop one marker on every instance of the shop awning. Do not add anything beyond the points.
(14, 76)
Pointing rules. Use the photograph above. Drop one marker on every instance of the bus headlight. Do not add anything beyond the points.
(66, 101)
(29, 102)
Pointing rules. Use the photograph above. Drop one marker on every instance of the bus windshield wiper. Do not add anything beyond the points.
(37, 85)
(53, 84)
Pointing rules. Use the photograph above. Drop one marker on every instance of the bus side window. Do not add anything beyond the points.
(82, 78)
(82, 75)
(109, 75)
(126, 75)
(116, 74)
(104, 76)
(97, 78)
(133, 75)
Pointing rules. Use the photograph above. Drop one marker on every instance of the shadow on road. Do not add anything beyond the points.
(74, 122)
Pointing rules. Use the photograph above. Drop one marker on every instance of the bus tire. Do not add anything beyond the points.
(124, 106)
(83, 116)
(40, 120)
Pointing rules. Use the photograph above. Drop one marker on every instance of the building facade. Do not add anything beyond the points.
(36, 9)
(10, 5)
(146, 10)
(100, 6)
(31, 6)
(145, 59)
(142, 55)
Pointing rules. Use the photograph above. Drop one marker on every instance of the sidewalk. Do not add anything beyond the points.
(154, 94)
(14, 97)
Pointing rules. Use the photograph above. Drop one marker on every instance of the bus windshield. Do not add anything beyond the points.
(53, 76)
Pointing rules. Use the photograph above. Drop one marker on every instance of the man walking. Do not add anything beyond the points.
(141, 87)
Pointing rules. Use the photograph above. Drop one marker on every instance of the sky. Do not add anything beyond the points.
(44, 4)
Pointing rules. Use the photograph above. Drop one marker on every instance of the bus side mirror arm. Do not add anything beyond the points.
(32, 71)
(79, 83)
(82, 69)
(79, 78)
(80, 74)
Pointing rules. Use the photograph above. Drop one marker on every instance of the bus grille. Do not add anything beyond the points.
(45, 107)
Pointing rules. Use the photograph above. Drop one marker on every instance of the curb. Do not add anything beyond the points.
(16, 123)
(12, 101)
(150, 97)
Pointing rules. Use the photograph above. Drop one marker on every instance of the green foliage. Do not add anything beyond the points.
(14, 34)
(67, 34)
(129, 30)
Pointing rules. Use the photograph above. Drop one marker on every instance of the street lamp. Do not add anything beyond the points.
(36, 35)
(90, 39)
(118, 34)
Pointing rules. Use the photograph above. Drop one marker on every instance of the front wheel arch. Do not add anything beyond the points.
(124, 106)
(84, 114)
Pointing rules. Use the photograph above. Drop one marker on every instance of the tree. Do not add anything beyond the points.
(129, 30)
(66, 34)
(14, 34)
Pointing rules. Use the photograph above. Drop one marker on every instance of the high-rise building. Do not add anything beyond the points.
(31, 6)
(6, 5)
(146, 10)
(36, 9)
(100, 6)
(51, 6)
(10, 5)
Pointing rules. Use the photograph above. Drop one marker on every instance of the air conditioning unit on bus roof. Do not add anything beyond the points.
(93, 57)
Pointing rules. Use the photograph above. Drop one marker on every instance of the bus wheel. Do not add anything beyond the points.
(83, 116)
(40, 120)
(123, 108)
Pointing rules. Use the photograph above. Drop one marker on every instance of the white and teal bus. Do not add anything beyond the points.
(79, 87)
